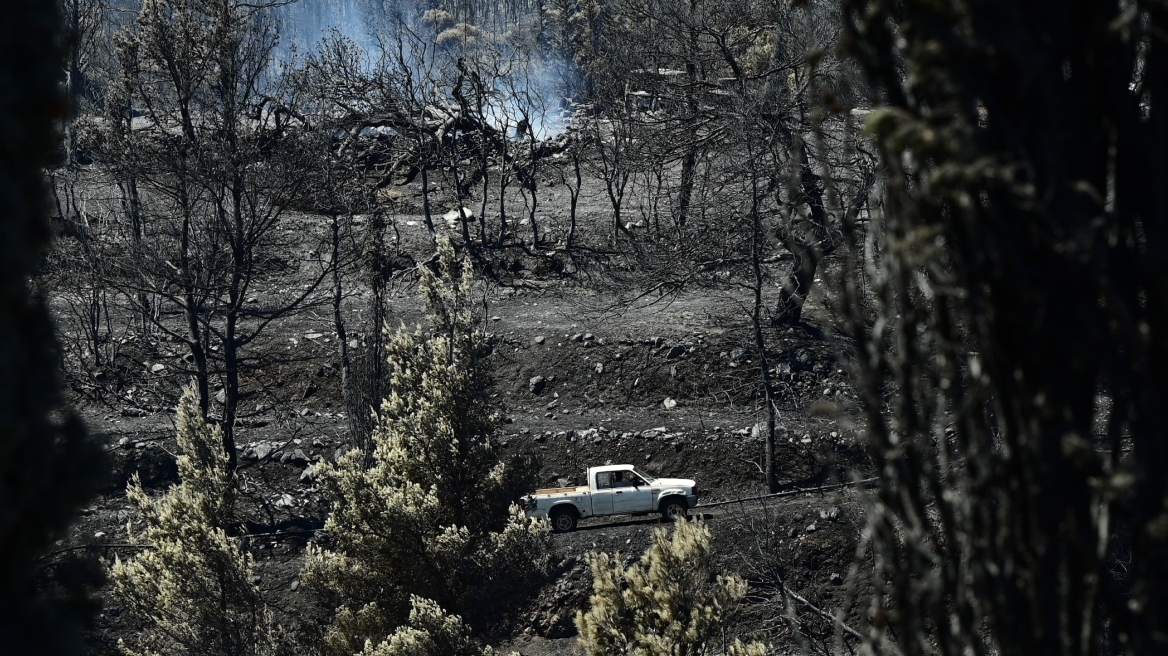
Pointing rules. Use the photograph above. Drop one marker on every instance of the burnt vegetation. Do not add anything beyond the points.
(325, 287)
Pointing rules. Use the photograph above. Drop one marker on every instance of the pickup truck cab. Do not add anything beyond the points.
(613, 490)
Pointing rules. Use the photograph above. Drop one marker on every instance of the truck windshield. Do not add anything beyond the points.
(645, 476)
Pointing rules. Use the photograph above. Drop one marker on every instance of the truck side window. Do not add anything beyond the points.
(603, 480)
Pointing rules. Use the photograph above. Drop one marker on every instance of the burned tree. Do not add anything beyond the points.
(202, 140)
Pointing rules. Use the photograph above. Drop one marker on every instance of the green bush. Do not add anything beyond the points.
(670, 602)
(192, 589)
(432, 516)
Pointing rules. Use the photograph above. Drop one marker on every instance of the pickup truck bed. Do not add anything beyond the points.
(559, 490)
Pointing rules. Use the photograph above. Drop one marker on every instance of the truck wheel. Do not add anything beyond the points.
(673, 510)
(563, 521)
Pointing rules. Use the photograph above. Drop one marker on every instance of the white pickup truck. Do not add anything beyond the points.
(613, 490)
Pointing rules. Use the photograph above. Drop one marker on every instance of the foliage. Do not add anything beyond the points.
(193, 588)
(670, 602)
(429, 632)
(433, 515)
(1015, 351)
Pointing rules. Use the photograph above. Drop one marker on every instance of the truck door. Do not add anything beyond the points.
(602, 494)
(632, 495)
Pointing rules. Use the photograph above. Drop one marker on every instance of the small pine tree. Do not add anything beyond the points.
(432, 516)
(193, 590)
(670, 602)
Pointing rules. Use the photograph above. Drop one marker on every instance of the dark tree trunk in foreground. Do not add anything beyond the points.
(47, 466)
(1021, 317)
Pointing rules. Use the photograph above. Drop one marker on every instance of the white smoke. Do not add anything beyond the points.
(531, 92)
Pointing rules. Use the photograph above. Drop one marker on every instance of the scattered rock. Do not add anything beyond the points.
(354, 343)
(588, 337)
(263, 450)
(540, 339)
(599, 368)
(298, 457)
(295, 586)
(318, 443)
(836, 579)
(123, 516)
(578, 337)
(496, 318)
(221, 397)
(536, 385)
(313, 335)
(285, 501)
(738, 355)
(830, 514)
(675, 352)
(158, 368)
(803, 359)
(309, 473)
(454, 216)
(810, 528)
(125, 443)
(669, 403)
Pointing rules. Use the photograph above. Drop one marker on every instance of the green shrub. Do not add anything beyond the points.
(670, 602)
(192, 590)
(432, 516)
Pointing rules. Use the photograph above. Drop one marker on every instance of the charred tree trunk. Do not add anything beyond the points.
(192, 307)
(808, 250)
(339, 321)
(574, 193)
(427, 212)
(757, 244)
